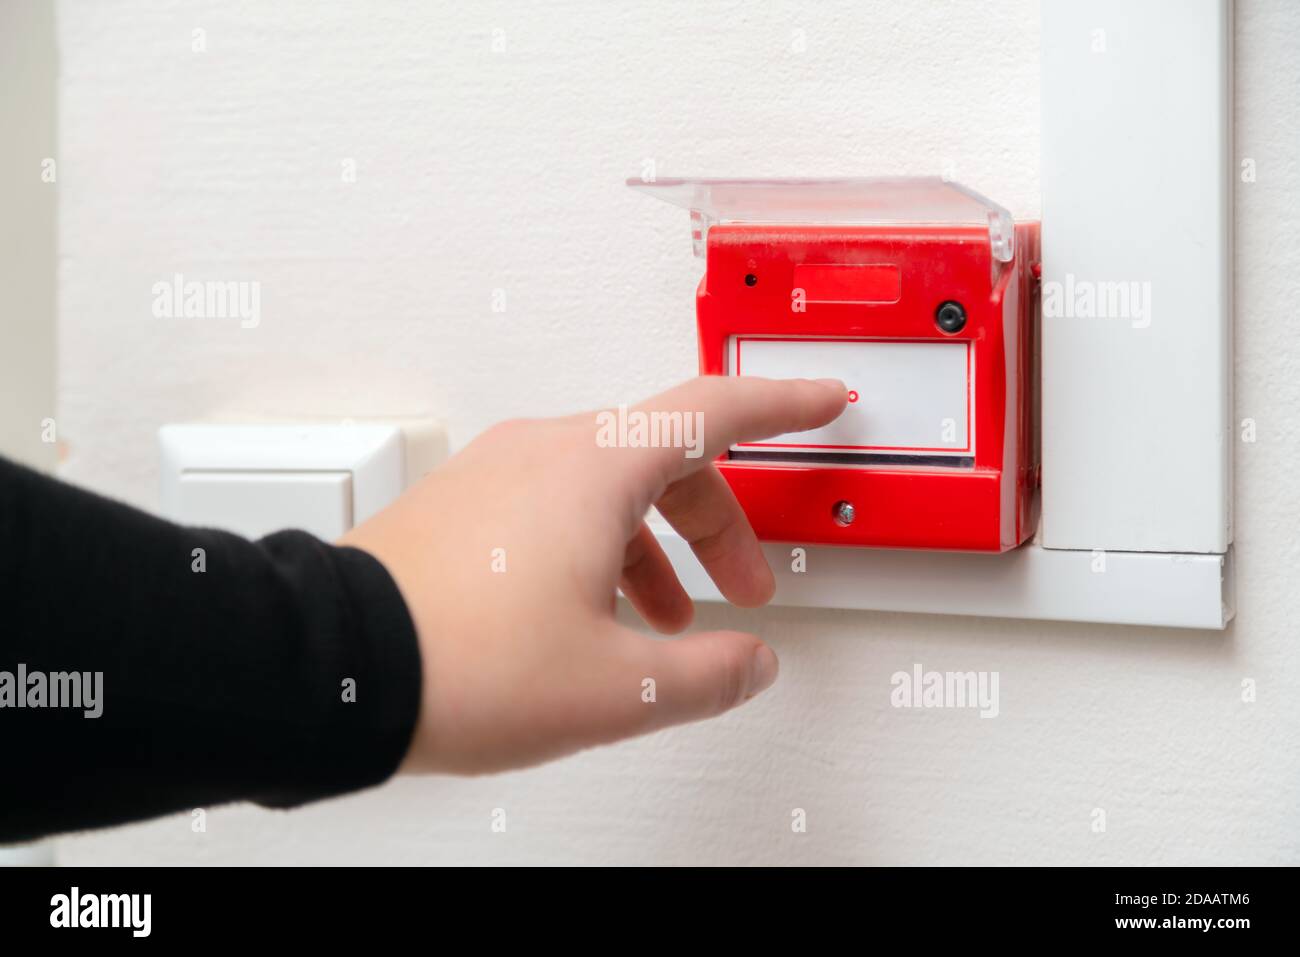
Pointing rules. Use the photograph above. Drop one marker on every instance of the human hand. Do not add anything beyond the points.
(508, 557)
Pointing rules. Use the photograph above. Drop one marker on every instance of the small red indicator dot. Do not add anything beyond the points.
(853, 396)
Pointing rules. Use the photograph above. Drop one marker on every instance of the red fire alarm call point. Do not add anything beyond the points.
(920, 295)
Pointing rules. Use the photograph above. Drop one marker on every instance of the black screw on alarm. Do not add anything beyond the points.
(950, 316)
(751, 279)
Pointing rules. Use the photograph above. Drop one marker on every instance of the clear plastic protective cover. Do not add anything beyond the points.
(909, 200)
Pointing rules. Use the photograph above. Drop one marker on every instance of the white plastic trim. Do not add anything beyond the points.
(1135, 588)
(1137, 175)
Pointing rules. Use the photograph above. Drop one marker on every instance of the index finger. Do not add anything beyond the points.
(716, 412)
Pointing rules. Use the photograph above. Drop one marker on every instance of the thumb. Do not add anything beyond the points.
(699, 676)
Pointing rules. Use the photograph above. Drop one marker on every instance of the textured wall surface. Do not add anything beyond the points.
(28, 193)
(490, 144)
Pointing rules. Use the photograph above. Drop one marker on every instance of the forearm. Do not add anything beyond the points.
(277, 671)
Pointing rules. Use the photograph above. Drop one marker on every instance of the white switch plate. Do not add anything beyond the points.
(256, 479)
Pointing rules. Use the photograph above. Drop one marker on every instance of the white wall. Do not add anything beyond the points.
(27, 224)
(479, 170)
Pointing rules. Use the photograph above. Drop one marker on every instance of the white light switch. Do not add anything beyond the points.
(254, 504)
(323, 479)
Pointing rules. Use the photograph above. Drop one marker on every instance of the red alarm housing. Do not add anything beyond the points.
(921, 296)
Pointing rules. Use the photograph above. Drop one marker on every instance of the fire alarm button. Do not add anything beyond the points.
(918, 294)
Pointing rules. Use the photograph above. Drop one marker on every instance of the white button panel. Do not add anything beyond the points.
(905, 398)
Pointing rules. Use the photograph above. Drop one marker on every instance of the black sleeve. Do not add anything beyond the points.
(140, 675)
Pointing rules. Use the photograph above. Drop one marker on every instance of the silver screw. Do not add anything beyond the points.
(844, 513)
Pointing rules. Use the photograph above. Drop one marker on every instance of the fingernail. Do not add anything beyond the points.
(833, 383)
(762, 670)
